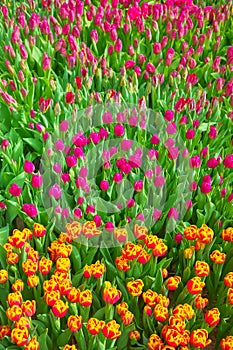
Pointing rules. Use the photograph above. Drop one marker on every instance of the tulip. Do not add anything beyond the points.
(15, 190)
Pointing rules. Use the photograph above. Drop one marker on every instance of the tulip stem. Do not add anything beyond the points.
(109, 312)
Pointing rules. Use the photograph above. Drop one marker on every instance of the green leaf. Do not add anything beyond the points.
(121, 286)
(44, 319)
(79, 336)
(64, 337)
(106, 254)
(3, 317)
(39, 324)
(223, 328)
(100, 314)
(34, 143)
(3, 254)
(96, 304)
(42, 339)
(157, 285)
(4, 233)
(228, 267)
(124, 338)
(164, 263)
(76, 259)
(36, 54)
(77, 278)
(18, 150)
(200, 218)
(5, 118)
(90, 256)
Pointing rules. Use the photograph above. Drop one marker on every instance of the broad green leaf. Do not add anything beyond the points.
(3, 254)
(35, 144)
(100, 313)
(64, 337)
(76, 259)
(4, 233)
(42, 339)
(124, 338)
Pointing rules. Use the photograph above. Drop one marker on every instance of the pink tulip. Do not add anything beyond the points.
(71, 161)
(190, 134)
(155, 139)
(195, 162)
(156, 214)
(65, 177)
(178, 238)
(212, 163)
(119, 130)
(46, 61)
(169, 56)
(228, 161)
(169, 115)
(109, 227)
(206, 187)
(37, 180)
(173, 213)
(157, 48)
(78, 213)
(15, 190)
(55, 191)
(28, 167)
(138, 185)
(30, 210)
(104, 185)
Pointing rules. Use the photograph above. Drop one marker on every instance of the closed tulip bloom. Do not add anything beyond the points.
(228, 161)
(60, 308)
(227, 343)
(206, 187)
(46, 61)
(3, 276)
(172, 283)
(199, 338)
(190, 134)
(169, 56)
(138, 185)
(30, 210)
(37, 180)
(154, 342)
(28, 167)
(195, 285)
(85, 298)
(29, 307)
(212, 163)
(15, 190)
(111, 330)
(212, 317)
(157, 48)
(195, 162)
(74, 323)
(33, 344)
(111, 294)
(104, 185)
(20, 336)
(201, 268)
(135, 287)
(94, 326)
(14, 313)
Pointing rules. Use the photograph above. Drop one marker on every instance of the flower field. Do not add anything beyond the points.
(116, 182)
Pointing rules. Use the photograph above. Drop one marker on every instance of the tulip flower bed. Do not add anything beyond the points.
(116, 161)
